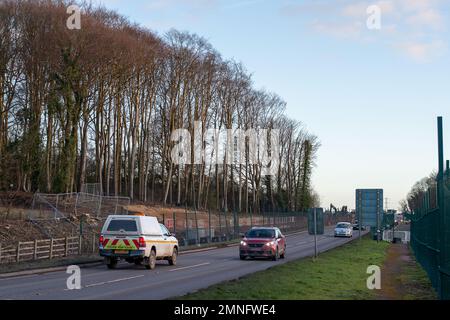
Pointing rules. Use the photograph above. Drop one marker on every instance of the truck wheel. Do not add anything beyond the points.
(242, 257)
(111, 263)
(173, 259)
(150, 262)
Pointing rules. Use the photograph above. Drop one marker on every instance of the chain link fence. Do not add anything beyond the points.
(197, 228)
(65, 205)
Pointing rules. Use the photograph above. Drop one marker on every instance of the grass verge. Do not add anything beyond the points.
(416, 282)
(337, 274)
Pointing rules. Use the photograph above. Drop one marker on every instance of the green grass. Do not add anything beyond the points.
(416, 282)
(337, 274)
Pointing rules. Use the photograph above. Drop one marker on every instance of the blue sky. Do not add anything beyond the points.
(371, 96)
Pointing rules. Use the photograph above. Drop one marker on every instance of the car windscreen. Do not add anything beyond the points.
(261, 233)
(125, 225)
(342, 225)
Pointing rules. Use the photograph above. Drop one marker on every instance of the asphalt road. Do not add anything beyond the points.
(192, 272)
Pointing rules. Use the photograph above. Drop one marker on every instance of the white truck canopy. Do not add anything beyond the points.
(148, 226)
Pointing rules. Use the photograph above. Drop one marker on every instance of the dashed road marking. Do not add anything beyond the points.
(189, 267)
(108, 282)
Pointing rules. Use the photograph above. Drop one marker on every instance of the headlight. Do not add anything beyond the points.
(271, 243)
(243, 243)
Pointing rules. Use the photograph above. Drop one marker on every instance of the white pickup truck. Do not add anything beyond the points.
(136, 239)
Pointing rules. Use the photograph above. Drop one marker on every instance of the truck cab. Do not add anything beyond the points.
(136, 239)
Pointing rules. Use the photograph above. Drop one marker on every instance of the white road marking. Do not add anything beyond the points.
(188, 267)
(108, 282)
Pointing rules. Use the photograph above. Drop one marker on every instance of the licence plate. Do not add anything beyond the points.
(121, 251)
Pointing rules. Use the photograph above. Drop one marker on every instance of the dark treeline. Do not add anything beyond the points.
(414, 199)
(99, 104)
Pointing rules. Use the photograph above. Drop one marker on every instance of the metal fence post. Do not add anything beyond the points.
(35, 250)
(0, 253)
(80, 244)
(18, 252)
(66, 251)
(196, 226)
(220, 223)
(99, 209)
(236, 224)
(81, 225)
(57, 201)
(76, 204)
(447, 168)
(187, 228)
(174, 223)
(209, 225)
(227, 232)
(441, 205)
(51, 249)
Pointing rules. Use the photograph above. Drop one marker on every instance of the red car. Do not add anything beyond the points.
(263, 242)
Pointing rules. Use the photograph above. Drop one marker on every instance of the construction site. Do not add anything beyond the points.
(26, 218)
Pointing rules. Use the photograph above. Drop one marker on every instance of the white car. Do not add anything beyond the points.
(136, 239)
(343, 229)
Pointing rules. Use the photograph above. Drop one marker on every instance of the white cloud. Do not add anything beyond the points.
(358, 10)
(417, 5)
(418, 25)
(423, 51)
(355, 10)
(429, 18)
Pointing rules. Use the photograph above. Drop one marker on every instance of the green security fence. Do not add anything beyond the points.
(430, 227)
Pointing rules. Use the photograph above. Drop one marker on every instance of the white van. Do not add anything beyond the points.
(136, 239)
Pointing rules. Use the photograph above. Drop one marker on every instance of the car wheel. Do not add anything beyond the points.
(282, 256)
(138, 262)
(242, 257)
(173, 260)
(112, 263)
(275, 257)
(150, 262)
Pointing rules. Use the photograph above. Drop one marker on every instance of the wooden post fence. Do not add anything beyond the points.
(44, 249)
